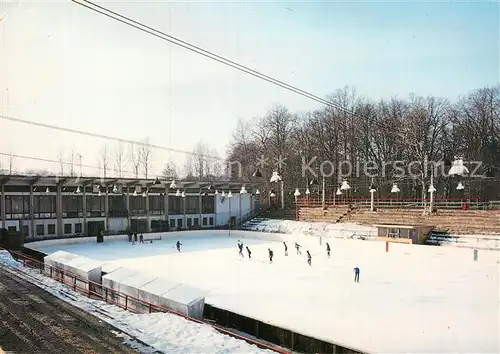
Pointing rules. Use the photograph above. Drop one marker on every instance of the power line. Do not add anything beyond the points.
(41, 159)
(106, 137)
(174, 40)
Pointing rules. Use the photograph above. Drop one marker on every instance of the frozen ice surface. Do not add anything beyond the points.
(410, 299)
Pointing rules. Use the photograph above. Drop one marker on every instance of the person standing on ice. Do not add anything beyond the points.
(178, 245)
(249, 253)
(286, 248)
(240, 246)
(271, 254)
(356, 275)
(308, 258)
(297, 247)
(328, 249)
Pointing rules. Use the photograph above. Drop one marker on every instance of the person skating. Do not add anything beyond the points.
(141, 238)
(328, 249)
(286, 248)
(271, 254)
(308, 258)
(356, 275)
(240, 247)
(249, 253)
(297, 247)
(178, 245)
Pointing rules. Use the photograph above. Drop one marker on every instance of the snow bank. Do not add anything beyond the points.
(162, 331)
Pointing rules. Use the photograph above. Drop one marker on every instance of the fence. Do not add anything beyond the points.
(98, 291)
(449, 203)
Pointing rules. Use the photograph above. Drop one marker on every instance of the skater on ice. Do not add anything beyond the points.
(240, 247)
(297, 247)
(328, 249)
(308, 258)
(286, 248)
(141, 238)
(249, 253)
(271, 254)
(356, 275)
(178, 245)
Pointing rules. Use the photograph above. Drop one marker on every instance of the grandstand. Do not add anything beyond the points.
(39, 207)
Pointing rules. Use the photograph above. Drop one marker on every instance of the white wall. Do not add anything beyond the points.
(237, 209)
(117, 224)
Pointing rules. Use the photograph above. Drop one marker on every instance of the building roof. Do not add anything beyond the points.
(403, 226)
(72, 181)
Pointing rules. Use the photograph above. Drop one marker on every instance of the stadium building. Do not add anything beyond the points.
(53, 206)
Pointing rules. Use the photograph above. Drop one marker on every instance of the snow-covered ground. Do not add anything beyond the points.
(411, 299)
(162, 331)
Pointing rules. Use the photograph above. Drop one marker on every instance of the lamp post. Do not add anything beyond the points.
(345, 186)
(242, 192)
(373, 189)
(338, 193)
(229, 196)
(395, 189)
(296, 195)
(314, 182)
(277, 178)
(431, 190)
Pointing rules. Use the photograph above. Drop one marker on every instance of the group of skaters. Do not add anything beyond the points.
(298, 251)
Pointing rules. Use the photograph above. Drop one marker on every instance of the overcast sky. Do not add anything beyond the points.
(65, 65)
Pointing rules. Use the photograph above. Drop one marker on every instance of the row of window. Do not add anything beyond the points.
(51, 229)
(192, 222)
(20, 204)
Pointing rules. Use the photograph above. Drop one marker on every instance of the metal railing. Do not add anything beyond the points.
(124, 301)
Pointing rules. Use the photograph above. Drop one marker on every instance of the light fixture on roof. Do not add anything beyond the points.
(78, 189)
(308, 191)
(173, 185)
(373, 188)
(460, 186)
(339, 192)
(272, 194)
(257, 173)
(210, 187)
(135, 193)
(257, 191)
(229, 194)
(431, 189)
(297, 192)
(115, 189)
(144, 194)
(275, 177)
(178, 193)
(183, 194)
(243, 190)
(395, 188)
(216, 192)
(223, 194)
(99, 192)
(458, 168)
(47, 190)
(157, 181)
(345, 186)
(314, 182)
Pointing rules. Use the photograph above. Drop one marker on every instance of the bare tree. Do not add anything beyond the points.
(62, 162)
(188, 167)
(72, 163)
(135, 159)
(146, 157)
(104, 160)
(170, 170)
(120, 161)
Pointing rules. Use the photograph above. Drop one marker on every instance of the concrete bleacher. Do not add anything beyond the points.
(330, 214)
(451, 221)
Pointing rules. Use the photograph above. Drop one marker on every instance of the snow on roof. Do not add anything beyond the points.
(61, 256)
(120, 274)
(185, 294)
(138, 280)
(159, 286)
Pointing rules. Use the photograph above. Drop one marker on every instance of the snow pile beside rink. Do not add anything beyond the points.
(316, 229)
(162, 331)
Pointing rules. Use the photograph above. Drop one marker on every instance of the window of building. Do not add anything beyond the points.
(26, 230)
(179, 222)
(204, 221)
(196, 221)
(67, 228)
(12, 229)
(172, 223)
(51, 229)
(78, 228)
(40, 230)
(189, 222)
(211, 221)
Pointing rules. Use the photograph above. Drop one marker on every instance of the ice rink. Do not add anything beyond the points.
(410, 299)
